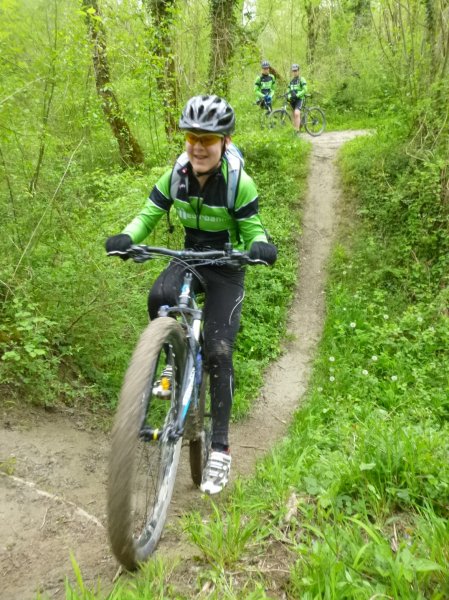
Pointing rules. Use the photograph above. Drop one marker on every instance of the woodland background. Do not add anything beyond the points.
(90, 95)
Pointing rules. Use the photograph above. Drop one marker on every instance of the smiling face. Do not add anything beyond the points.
(204, 150)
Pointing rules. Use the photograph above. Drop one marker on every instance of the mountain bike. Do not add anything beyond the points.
(266, 109)
(164, 399)
(313, 118)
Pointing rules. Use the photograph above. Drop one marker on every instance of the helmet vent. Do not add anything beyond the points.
(208, 113)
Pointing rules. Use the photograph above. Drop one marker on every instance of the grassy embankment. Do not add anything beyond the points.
(354, 502)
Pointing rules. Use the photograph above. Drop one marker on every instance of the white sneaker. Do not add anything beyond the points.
(162, 387)
(216, 472)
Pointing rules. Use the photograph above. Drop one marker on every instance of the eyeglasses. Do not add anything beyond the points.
(208, 139)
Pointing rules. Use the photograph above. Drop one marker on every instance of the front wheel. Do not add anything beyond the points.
(201, 432)
(279, 118)
(145, 444)
(314, 121)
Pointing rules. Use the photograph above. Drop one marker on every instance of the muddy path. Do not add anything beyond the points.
(53, 470)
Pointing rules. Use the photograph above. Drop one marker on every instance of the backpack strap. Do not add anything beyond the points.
(179, 175)
(235, 162)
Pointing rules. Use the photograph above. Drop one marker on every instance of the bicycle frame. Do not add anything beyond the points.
(312, 117)
(191, 320)
(287, 106)
(149, 428)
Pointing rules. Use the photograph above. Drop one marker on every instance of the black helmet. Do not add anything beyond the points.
(208, 113)
(295, 67)
(264, 64)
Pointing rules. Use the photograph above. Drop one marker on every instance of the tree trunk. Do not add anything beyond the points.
(162, 12)
(129, 148)
(223, 25)
(312, 15)
(49, 90)
(362, 13)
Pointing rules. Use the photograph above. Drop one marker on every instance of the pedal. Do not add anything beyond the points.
(162, 389)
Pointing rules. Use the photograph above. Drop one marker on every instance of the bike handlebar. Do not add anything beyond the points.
(141, 253)
(305, 95)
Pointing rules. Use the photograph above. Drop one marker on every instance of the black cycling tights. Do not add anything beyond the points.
(224, 292)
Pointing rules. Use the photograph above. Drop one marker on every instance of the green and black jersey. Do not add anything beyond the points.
(297, 88)
(265, 85)
(203, 212)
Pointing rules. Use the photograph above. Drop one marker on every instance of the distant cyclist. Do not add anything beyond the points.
(265, 86)
(297, 89)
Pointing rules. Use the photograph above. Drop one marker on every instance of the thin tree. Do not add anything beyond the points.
(162, 12)
(312, 27)
(129, 148)
(48, 96)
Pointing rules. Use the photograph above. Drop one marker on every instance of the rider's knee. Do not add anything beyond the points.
(219, 352)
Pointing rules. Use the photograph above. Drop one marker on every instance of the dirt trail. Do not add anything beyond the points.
(53, 502)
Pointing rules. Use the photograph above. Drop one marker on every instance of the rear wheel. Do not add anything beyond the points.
(145, 444)
(314, 121)
(280, 118)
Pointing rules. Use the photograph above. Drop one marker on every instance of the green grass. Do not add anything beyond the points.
(355, 500)
(353, 503)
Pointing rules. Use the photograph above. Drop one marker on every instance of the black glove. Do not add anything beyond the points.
(118, 243)
(264, 251)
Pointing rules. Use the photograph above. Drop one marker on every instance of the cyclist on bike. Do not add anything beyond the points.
(202, 207)
(265, 87)
(297, 89)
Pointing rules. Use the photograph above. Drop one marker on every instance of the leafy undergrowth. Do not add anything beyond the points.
(71, 289)
(354, 502)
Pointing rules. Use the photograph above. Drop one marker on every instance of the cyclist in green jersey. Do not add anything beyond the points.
(297, 89)
(265, 86)
(201, 203)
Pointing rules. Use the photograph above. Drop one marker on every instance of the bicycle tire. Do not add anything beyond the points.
(314, 121)
(135, 530)
(199, 443)
(279, 118)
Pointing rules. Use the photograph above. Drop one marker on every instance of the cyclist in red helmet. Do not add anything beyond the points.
(201, 202)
